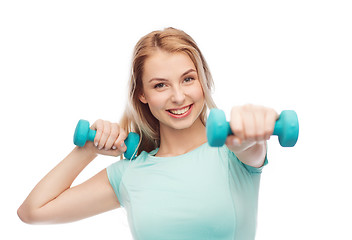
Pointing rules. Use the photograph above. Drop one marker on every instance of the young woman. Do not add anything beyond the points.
(178, 187)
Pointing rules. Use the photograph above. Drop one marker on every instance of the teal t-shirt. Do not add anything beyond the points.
(206, 193)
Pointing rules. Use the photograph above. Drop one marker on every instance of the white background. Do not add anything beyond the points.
(65, 60)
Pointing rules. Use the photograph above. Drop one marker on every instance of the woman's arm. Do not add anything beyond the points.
(252, 127)
(54, 201)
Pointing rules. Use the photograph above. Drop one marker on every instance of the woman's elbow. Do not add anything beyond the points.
(26, 215)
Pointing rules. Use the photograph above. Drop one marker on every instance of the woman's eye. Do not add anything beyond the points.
(159, 85)
(188, 79)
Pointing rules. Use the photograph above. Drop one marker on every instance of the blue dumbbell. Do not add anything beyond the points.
(286, 128)
(83, 134)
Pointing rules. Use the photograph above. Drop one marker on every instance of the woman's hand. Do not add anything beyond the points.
(252, 125)
(109, 139)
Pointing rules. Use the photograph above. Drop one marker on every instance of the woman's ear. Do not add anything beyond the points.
(142, 98)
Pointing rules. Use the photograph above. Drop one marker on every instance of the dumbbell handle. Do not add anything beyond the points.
(286, 128)
(83, 134)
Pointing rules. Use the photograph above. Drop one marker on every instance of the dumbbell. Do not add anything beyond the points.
(286, 128)
(83, 134)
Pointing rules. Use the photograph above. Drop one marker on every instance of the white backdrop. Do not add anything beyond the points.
(65, 60)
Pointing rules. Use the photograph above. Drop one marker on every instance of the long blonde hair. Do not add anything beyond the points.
(137, 116)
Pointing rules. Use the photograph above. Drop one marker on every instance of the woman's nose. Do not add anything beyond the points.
(178, 95)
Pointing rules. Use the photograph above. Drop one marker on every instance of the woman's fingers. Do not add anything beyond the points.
(120, 141)
(270, 120)
(252, 123)
(104, 135)
(259, 118)
(249, 123)
(114, 133)
(99, 127)
(236, 122)
(109, 138)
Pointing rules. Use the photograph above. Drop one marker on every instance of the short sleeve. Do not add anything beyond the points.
(115, 172)
(255, 170)
(250, 169)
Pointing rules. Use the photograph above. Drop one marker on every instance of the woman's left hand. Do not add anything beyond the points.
(251, 125)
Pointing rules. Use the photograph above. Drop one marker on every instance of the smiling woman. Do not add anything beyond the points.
(178, 185)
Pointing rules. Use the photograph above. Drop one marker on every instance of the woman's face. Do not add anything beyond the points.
(172, 89)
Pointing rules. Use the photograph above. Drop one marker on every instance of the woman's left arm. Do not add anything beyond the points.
(252, 126)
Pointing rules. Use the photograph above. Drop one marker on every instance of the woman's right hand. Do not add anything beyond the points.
(109, 139)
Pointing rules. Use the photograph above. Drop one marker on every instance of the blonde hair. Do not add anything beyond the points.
(137, 116)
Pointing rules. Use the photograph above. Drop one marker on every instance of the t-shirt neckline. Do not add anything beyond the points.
(155, 151)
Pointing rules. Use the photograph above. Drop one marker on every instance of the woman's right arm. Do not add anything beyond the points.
(53, 200)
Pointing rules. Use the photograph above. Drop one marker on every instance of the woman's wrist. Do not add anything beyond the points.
(89, 152)
(253, 156)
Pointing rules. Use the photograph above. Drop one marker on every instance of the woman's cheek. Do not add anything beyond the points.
(157, 102)
(198, 93)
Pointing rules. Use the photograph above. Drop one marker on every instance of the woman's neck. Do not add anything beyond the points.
(174, 142)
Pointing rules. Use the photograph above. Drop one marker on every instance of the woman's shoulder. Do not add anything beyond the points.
(123, 164)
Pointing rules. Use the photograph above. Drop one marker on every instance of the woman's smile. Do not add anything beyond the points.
(180, 112)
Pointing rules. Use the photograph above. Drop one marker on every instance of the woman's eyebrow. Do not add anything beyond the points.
(189, 71)
(163, 79)
(157, 79)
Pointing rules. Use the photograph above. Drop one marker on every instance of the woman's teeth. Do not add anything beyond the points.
(180, 111)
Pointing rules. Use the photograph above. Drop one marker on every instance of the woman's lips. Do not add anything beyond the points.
(180, 112)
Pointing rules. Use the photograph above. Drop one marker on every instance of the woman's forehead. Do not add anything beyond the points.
(162, 64)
